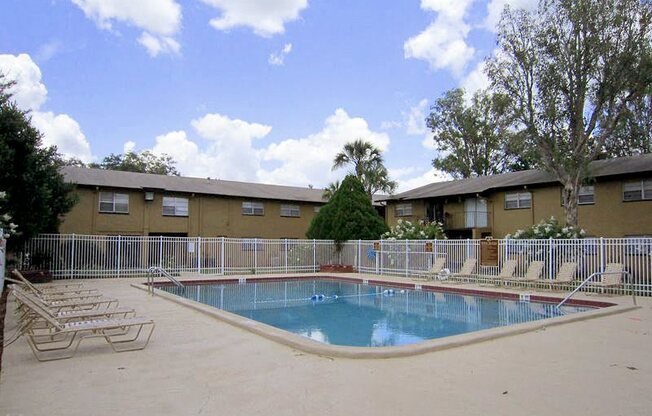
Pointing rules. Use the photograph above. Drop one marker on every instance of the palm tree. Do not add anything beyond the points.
(330, 190)
(367, 164)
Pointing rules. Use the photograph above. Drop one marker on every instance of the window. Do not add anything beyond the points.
(403, 210)
(637, 190)
(518, 200)
(175, 207)
(586, 195)
(253, 208)
(289, 210)
(317, 209)
(115, 203)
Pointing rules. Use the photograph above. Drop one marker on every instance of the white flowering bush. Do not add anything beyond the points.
(422, 230)
(550, 228)
(8, 227)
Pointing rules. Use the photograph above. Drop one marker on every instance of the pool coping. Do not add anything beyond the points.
(318, 348)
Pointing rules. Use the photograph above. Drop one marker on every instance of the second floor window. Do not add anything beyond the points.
(175, 207)
(289, 210)
(403, 210)
(114, 203)
(517, 200)
(253, 208)
(637, 190)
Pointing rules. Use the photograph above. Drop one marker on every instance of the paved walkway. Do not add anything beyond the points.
(197, 365)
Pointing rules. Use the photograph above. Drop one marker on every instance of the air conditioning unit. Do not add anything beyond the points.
(149, 196)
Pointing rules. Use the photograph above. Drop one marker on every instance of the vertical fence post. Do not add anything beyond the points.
(160, 252)
(314, 256)
(380, 254)
(468, 248)
(550, 259)
(601, 254)
(359, 254)
(119, 255)
(286, 255)
(255, 255)
(198, 251)
(72, 256)
(222, 256)
(407, 258)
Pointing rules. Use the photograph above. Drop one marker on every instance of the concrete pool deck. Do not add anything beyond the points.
(196, 364)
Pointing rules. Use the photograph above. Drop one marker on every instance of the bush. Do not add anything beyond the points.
(550, 228)
(422, 230)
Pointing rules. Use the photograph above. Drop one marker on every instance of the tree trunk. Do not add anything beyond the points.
(569, 200)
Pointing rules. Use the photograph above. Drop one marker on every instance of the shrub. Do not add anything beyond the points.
(550, 228)
(422, 230)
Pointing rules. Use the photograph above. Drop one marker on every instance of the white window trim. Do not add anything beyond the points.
(112, 202)
(519, 198)
(642, 184)
(252, 208)
(290, 211)
(584, 191)
(404, 210)
(177, 206)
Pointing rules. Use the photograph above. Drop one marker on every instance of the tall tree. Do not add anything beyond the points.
(34, 190)
(143, 162)
(476, 139)
(348, 215)
(633, 134)
(367, 164)
(572, 68)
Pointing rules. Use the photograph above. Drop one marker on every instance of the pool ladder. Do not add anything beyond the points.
(588, 279)
(151, 273)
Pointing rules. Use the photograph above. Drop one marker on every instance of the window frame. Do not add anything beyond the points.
(642, 185)
(113, 203)
(400, 211)
(175, 199)
(519, 200)
(292, 211)
(253, 208)
(580, 194)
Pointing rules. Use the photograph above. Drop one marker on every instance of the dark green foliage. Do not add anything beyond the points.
(143, 162)
(368, 167)
(36, 193)
(349, 215)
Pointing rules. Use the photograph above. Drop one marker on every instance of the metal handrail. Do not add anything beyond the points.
(624, 272)
(162, 272)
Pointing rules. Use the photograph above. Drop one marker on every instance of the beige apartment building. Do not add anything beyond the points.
(127, 203)
(616, 201)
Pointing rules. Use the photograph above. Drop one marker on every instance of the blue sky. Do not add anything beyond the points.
(261, 91)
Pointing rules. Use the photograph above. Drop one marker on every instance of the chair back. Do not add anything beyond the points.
(566, 272)
(438, 265)
(613, 274)
(534, 270)
(468, 267)
(508, 270)
(35, 307)
(25, 282)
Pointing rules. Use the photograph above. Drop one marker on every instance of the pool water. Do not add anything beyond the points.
(352, 314)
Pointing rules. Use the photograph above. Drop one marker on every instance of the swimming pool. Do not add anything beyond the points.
(358, 314)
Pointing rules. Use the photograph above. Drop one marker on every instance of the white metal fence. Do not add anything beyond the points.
(78, 256)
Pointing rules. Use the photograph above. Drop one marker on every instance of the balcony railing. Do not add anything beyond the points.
(463, 220)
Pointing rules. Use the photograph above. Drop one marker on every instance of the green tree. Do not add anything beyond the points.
(34, 189)
(143, 162)
(476, 139)
(330, 190)
(572, 68)
(368, 166)
(348, 215)
(633, 134)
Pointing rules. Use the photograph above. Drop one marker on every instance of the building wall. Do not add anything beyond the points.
(609, 216)
(208, 216)
(418, 212)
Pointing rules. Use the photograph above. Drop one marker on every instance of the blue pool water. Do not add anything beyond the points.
(345, 313)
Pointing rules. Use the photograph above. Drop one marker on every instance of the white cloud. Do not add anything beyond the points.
(62, 131)
(495, 10)
(278, 58)
(430, 176)
(30, 93)
(416, 119)
(475, 80)
(223, 129)
(308, 160)
(265, 18)
(128, 147)
(48, 50)
(160, 20)
(161, 44)
(443, 43)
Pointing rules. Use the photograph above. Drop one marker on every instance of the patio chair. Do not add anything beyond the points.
(565, 275)
(532, 274)
(59, 305)
(117, 332)
(52, 291)
(465, 272)
(611, 278)
(437, 267)
(506, 274)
